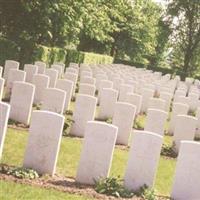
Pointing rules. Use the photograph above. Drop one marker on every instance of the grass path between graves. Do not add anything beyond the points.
(13, 191)
(69, 156)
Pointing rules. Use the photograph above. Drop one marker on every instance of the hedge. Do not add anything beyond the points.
(86, 57)
(8, 51)
(49, 55)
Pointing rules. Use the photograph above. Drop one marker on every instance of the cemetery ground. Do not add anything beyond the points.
(62, 186)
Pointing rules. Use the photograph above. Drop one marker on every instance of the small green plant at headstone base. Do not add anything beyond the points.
(146, 193)
(67, 125)
(19, 172)
(68, 112)
(113, 187)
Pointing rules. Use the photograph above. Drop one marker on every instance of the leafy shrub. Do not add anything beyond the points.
(167, 150)
(113, 187)
(67, 125)
(42, 53)
(57, 55)
(86, 57)
(138, 124)
(22, 173)
(9, 50)
(146, 193)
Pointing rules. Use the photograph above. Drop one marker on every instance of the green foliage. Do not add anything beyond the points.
(67, 125)
(86, 57)
(57, 55)
(19, 172)
(112, 186)
(167, 150)
(185, 35)
(146, 193)
(9, 50)
(41, 53)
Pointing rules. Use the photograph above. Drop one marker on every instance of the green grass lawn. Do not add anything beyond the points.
(69, 155)
(14, 191)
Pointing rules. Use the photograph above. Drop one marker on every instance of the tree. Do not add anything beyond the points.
(184, 16)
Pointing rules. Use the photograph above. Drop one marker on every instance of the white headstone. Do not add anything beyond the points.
(87, 89)
(168, 98)
(53, 100)
(187, 176)
(72, 77)
(155, 121)
(123, 118)
(67, 86)
(41, 82)
(2, 82)
(134, 99)
(84, 111)
(59, 69)
(53, 77)
(88, 80)
(44, 140)
(107, 103)
(14, 75)
(97, 152)
(143, 160)
(157, 103)
(198, 123)
(147, 94)
(9, 64)
(177, 109)
(185, 129)
(41, 67)
(4, 114)
(1, 71)
(124, 90)
(21, 102)
(30, 70)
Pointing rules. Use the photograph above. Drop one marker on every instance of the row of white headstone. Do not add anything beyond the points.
(123, 115)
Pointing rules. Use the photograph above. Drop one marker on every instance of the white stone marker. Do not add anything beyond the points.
(97, 152)
(185, 129)
(44, 140)
(30, 70)
(2, 82)
(59, 69)
(4, 114)
(71, 70)
(53, 77)
(155, 121)
(87, 89)
(197, 135)
(168, 98)
(104, 84)
(117, 82)
(72, 77)
(14, 75)
(107, 103)
(187, 176)
(134, 99)
(177, 109)
(84, 111)
(147, 94)
(88, 80)
(1, 71)
(21, 102)
(67, 86)
(157, 103)
(123, 118)
(124, 90)
(41, 82)
(9, 64)
(41, 67)
(143, 160)
(53, 100)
